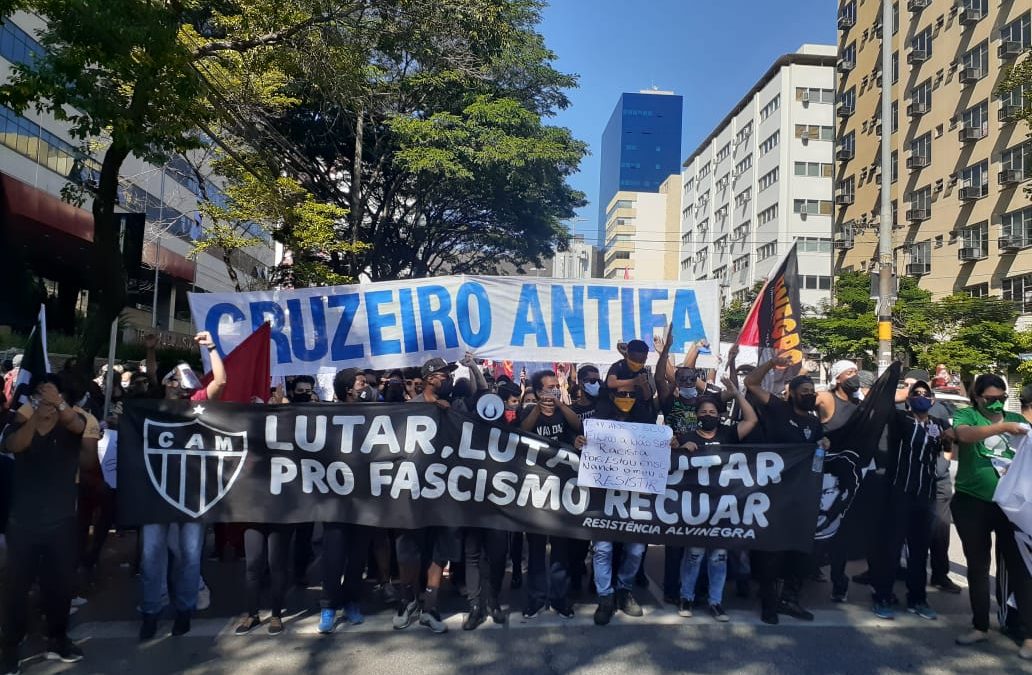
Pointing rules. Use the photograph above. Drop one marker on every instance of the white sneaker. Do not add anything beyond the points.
(972, 637)
(203, 597)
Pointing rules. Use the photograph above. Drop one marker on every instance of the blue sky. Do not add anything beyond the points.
(709, 52)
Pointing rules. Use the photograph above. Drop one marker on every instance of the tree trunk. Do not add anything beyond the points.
(356, 192)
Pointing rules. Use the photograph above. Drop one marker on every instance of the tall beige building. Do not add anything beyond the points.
(642, 230)
(962, 218)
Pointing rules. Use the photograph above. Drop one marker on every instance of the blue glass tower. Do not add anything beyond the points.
(641, 147)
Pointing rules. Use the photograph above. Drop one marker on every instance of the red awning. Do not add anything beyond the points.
(24, 202)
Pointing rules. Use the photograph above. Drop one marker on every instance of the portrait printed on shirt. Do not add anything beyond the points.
(841, 480)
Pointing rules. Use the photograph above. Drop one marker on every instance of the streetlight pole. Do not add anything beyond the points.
(157, 250)
(885, 256)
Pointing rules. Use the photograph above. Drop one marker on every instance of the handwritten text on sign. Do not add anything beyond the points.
(625, 456)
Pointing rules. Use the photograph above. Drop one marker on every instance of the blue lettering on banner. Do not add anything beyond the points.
(267, 310)
(428, 316)
(378, 321)
(630, 331)
(565, 315)
(686, 319)
(649, 320)
(408, 320)
(214, 318)
(297, 329)
(340, 350)
(475, 291)
(603, 295)
(529, 318)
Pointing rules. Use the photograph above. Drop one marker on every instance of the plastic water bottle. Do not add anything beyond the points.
(818, 460)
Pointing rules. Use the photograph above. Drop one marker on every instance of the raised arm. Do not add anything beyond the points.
(218, 370)
(749, 417)
(476, 374)
(665, 374)
(754, 381)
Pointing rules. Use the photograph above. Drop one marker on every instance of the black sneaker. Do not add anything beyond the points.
(605, 610)
(494, 610)
(564, 609)
(628, 605)
(475, 617)
(63, 650)
(148, 627)
(946, 585)
(533, 609)
(769, 616)
(181, 626)
(793, 609)
(718, 613)
(247, 624)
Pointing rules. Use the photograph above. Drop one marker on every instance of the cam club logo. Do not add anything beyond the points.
(192, 465)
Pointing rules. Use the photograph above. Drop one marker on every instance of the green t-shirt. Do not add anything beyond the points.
(976, 475)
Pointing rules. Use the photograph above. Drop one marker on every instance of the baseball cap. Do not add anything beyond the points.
(917, 374)
(437, 365)
(921, 383)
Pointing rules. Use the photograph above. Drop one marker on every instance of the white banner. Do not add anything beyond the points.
(395, 324)
(625, 456)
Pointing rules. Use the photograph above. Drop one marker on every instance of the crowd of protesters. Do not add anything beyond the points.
(57, 486)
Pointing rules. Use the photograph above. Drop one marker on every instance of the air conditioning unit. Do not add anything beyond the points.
(917, 5)
(917, 215)
(917, 56)
(968, 254)
(845, 66)
(804, 136)
(844, 199)
(844, 242)
(844, 110)
(1011, 243)
(1009, 113)
(845, 22)
(844, 154)
(971, 15)
(1008, 49)
(918, 161)
(1011, 176)
(969, 75)
(916, 108)
(972, 134)
(917, 269)
(971, 193)
(804, 96)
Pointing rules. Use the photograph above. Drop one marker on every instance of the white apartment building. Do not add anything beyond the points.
(576, 262)
(38, 157)
(763, 179)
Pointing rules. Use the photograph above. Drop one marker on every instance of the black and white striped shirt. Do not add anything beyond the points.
(914, 448)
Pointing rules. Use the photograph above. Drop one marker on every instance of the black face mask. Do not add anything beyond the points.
(709, 422)
(301, 398)
(444, 389)
(851, 385)
(806, 402)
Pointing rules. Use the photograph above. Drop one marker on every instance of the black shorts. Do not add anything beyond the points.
(442, 544)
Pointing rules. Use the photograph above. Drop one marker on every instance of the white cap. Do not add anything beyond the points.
(840, 367)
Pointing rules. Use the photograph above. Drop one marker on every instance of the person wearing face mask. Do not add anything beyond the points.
(631, 371)
(837, 405)
(985, 436)
(711, 434)
(793, 420)
(585, 396)
(916, 441)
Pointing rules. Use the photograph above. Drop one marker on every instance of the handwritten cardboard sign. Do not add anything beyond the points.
(625, 456)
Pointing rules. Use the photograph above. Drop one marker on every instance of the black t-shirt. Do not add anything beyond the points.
(584, 410)
(727, 434)
(781, 423)
(914, 450)
(44, 492)
(553, 427)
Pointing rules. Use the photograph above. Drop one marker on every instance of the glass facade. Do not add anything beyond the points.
(641, 147)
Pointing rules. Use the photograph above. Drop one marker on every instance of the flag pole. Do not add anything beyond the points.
(109, 376)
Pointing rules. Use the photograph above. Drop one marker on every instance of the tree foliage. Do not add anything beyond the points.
(1014, 77)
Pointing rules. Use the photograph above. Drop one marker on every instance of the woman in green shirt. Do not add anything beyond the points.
(984, 434)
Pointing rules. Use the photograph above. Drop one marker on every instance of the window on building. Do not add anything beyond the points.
(768, 179)
(686, 264)
(743, 133)
(848, 99)
(847, 142)
(976, 237)
(630, 146)
(922, 94)
(740, 263)
(767, 215)
(703, 225)
(849, 54)
(848, 12)
(817, 207)
(895, 67)
(689, 184)
(922, 147)
(768, 250)
(921, 257)
(45, 148)
(631, 112)
(740, 231)
(17, 46)
(721, 213)
(724, 152)
(770, 143)
(816, 94)
(976, 176)
(895, 116)
(922, 42)
(621, 204)
(976, 61)
(894, 166)
(813, 245)
(1019, 291)
(895, 18)
(723, 181)
(978, 290)
(704, 171)
(772, 106)
(1018, 159)
(814, 132)
(922, 199)
(743, 166)
(980, 6)
(743, 197)
(1019, 30)
(814, 169)
(630, 165)
(847, 187)
(1013, 99)
(816, 283)
(1018, 225)
(977, 116)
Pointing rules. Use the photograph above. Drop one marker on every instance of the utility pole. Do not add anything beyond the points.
(886, 261)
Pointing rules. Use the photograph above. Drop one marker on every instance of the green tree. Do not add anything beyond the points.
(1018, 77)
(733, 317)
(848, 327)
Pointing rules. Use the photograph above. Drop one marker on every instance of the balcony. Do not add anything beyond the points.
(918, 108)
(844, 199)
(1009, 49)
(967, 254)
(844, 110)
(917, 56)
(918, 215)
(844, 154)
(1011, 176)
(918, 161)
(971, 193)
(845, 22)
(845, 66)
(1012, 243)
(969, 134)
(918, 269)
(971, 75)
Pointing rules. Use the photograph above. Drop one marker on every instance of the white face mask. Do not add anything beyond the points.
(592, 388)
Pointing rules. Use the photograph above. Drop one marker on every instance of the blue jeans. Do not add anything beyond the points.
(603, 563)
(716, 570)
(186, 565)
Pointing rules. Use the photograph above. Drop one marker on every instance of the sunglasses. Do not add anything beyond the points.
(921, 394)
(592, 380)
(995, 399)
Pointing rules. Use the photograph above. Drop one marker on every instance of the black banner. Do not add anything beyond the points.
(416, 465)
